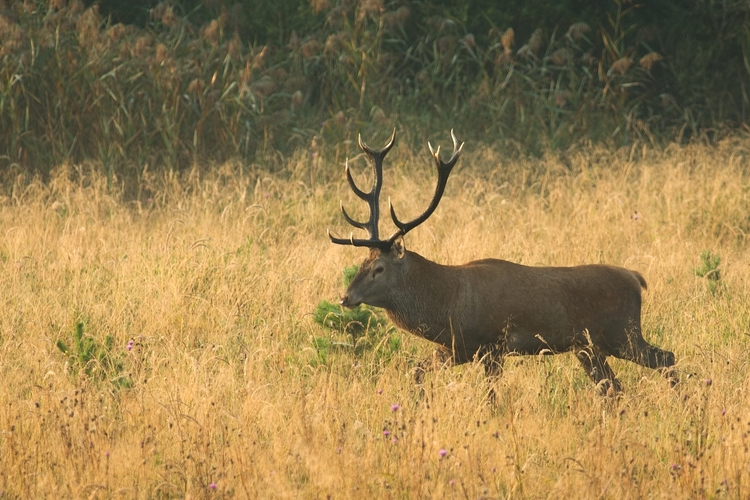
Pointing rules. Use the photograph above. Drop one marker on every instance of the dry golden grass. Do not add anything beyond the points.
(214, 280)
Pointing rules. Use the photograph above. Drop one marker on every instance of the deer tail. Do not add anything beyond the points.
(640, 279)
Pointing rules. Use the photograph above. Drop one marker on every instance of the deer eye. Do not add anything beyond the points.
(378, 270)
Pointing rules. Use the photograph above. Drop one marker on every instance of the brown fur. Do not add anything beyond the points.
(488, 308)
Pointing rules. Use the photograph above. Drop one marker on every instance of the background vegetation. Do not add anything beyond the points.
(137, 87)
(169, 348)
(169, 326)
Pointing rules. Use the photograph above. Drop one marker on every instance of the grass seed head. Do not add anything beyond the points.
(259, 59)
(508, 39)
(445, 45)
(169, 18)
(319, 6)
(560, 57)
(11, 37)
(195, 86)
(562, 97)
(297, 98)
(332, 45)
(397, 18)
(234, 48)
(621, 66)
(648, 61)
(87, 26)
(536, 42)
(503, 59)
(310, 48)
(142, 46)
(211, 33)
(264, 87)
(577, 30)
(369, 8)
(337, 17)
(469, 41)
(162, 53)
(117, 32)
(76, 7)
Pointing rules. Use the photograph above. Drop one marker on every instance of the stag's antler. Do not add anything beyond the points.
(372, 198)
(444, 170)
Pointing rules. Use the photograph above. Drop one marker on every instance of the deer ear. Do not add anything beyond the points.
(399, 247)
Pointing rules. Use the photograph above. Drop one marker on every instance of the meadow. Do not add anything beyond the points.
(165, 345)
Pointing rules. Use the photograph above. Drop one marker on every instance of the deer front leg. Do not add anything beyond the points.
(597, 368)
(491, 358)
(440, 358)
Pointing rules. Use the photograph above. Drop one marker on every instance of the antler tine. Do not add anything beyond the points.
(372, 198)
(456, 149)
(375, 154)
(355, 223)
(351, 240)
(444, 170)
(361, 194)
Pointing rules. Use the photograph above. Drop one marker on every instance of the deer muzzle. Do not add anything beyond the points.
(346, 301)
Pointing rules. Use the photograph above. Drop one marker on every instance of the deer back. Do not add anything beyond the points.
(494, 301)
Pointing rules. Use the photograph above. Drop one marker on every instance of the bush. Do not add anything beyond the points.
(360, 330)
(96, 361)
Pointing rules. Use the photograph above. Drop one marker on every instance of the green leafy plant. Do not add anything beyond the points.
(354, 322)
(709, 269)
(360, 330)
(95, 360)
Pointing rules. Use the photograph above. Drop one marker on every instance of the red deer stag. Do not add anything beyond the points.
(488, 308)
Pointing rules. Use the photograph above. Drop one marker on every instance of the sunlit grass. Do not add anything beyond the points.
(207, 289)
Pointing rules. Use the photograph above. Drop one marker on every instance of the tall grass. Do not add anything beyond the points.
(206, 289)
(74, 87)
(77, 88)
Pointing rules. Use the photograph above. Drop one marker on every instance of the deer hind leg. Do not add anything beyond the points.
(637, 350)
(596, 367)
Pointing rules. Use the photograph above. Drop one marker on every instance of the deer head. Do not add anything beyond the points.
(382, 274)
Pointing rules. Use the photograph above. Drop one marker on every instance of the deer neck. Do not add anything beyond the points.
(421, 302)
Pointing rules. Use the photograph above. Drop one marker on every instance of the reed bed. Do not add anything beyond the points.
(76, 87)
(167, 347)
